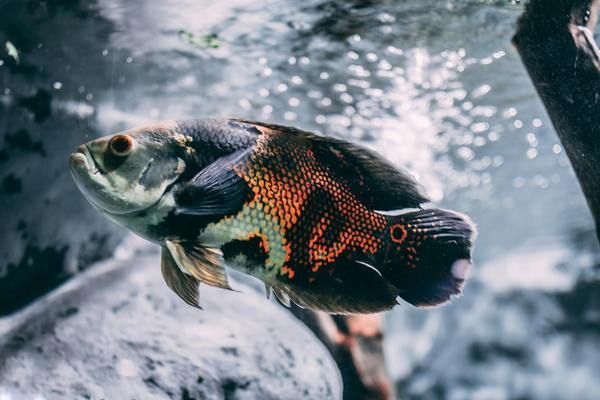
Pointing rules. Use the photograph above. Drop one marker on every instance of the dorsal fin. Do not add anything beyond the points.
(377, 183)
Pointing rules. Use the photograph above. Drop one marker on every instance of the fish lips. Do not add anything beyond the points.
(81, 161)
(88, 178)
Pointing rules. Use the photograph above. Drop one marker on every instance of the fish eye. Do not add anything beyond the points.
(121, 145)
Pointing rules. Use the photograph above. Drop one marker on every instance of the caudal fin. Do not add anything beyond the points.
(429, 255)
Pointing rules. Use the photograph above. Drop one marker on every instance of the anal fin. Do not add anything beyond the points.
(282, 296)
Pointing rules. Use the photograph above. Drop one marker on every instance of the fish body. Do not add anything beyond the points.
(308, 215)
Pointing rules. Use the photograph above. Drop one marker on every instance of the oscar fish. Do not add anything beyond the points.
(322, 222)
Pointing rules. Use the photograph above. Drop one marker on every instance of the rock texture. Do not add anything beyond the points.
(117, 332)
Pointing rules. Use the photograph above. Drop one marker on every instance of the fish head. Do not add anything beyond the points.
(129, 171)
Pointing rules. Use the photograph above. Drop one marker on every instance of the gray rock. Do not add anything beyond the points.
(117, 332)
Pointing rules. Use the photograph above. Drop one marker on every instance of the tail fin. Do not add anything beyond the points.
(429, 255)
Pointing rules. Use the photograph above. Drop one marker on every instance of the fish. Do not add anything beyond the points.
(324, 223)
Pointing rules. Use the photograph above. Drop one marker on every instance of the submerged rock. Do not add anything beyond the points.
(117, 332)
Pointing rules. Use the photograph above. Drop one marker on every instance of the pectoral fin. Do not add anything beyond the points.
(204, 264)
(184, 285)
(215, 190)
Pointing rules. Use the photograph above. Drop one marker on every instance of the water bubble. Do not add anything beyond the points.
(314, 94)
(481, 91)
(304, 60)
(282, 87)
(486, 178)
(355, 38)
(532, 153)
(290, 116)
(557, 149)
(479, 141)
(262, 60)
(326, 101)
(384, 65)
(519, 182)
(509, 112)
(267, 109)
(57, 85)
(532, 139)
(292, 60)
(267, 71)
(386, 29)
(372, 57)
(346, 98)
(294, 102)
(129, 60)
(480, 127)
(349, 110)
(340, 87)
(467, 105)
(105, 52)
(296, 80)
(89, 96)
(536, 122)
(81, 89)
(540, 181)
(386, 18)
(353, 55)
(320, 119)
(324, 75)
(263, 92)
(394, 50)
(359, 70)
(465, 153)
(518, 124)
(499, 54)
(245, 104)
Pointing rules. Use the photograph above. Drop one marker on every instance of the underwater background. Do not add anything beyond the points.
(434, 86)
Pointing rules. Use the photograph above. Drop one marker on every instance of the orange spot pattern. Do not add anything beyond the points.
(282, 176)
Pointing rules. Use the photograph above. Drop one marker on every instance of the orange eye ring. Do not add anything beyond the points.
(121, 145)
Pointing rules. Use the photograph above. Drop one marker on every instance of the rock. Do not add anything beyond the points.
(117, 332)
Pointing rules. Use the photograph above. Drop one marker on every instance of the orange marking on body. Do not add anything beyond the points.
(398, 237)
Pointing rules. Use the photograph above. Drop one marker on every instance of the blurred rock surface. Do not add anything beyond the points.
(117, 332)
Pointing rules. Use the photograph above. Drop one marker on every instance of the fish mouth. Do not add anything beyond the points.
(83, 158)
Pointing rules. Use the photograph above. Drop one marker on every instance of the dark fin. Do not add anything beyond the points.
(354, 287)
(216, 190)
(185, 286)
(204, 264)
(376, 182)
(429, 255)
(282, 296)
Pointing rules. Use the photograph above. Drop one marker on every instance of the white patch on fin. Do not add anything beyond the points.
(460, 269)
